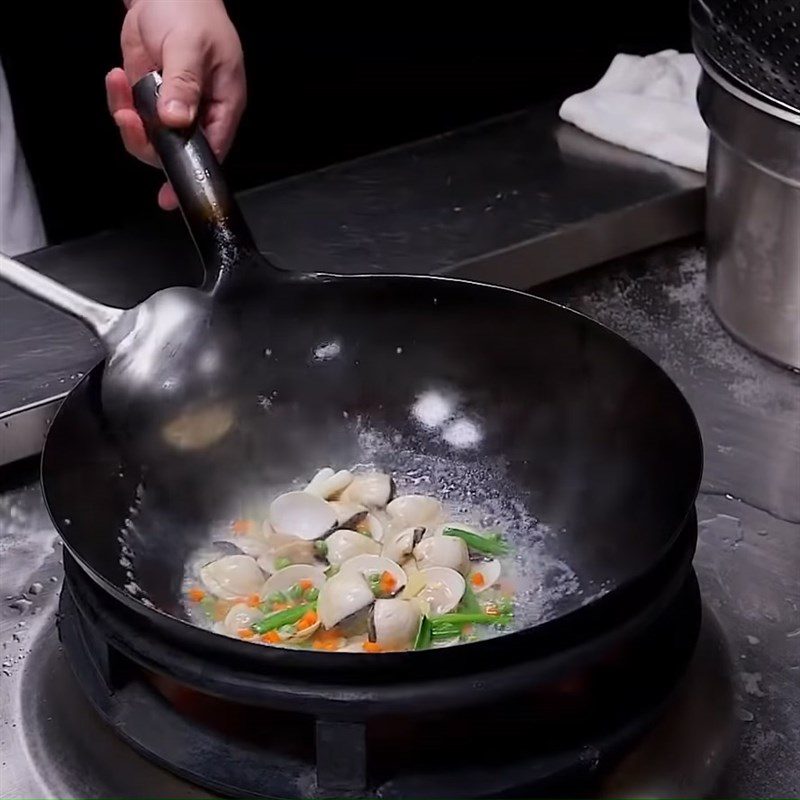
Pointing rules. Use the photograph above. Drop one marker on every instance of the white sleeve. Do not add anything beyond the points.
(21, 227)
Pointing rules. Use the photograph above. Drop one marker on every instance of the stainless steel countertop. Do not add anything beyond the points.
(748, 554)
(748, 560)
(517, 201)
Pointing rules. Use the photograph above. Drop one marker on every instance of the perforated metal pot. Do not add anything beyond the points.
(749, 96)
(753, 218)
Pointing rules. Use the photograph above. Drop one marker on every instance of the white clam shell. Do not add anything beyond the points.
(300, 636)
(395, 622)
(443, 589)
(410, 567)
(252, 546)
(322, 475)
(301, 514)
(375, 527)
(372, 564)
(345, 544)
(327, 483)
(412, 510)
(399, 546)
(287, 577)
(490, 570)
(347, 514)
(443, 551)
(298, 551)
(343, 595)
(241, 616)
(370, 489)
(230, 577)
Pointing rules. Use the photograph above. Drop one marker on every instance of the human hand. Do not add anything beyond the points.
(197, 49)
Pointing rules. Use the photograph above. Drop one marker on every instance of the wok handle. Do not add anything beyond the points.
(211, 213)
(98, 317)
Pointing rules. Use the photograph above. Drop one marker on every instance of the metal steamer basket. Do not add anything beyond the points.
(749, 96)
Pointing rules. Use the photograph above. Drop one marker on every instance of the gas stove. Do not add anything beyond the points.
(255, 735)
(76, 735)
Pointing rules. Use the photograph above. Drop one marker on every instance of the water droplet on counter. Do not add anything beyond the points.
(744, 715)
(35, 588)
(752, 683)
(21, 604)
(753, 639)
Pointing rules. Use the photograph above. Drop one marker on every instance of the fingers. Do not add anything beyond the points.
(131, 128)
(229, 93)
(182, 75)
(167, 198)
(118, 90)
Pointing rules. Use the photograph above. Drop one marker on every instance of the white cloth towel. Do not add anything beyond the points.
(647, 104)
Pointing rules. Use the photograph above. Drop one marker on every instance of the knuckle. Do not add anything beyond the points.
(186, 79)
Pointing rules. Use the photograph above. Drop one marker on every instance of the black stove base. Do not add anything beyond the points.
(240, 750)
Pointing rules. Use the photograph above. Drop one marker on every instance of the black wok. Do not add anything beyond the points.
(592, 436)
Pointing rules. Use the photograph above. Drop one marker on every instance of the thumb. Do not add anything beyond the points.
(182, 76)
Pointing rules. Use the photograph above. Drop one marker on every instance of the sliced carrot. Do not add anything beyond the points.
(221, 609)
(387, 582)
(280, 606)
(308, 619)
(477, 579)
(305, 583)
(326, 635)
(245, 633)
(492, 610)
(321, 644)
(241, 527)
(271, 637)
(253, 601)
(196, 595)
(372, 647)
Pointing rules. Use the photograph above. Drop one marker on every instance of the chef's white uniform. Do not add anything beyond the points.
(21, 227)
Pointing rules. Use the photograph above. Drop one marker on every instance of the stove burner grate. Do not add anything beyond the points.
(571, 733)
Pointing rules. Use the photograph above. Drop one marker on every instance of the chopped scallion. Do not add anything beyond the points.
(469, 603)
(424, 635)
(493, 544)
(295, 592)
(460, 619)
(280, 618)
